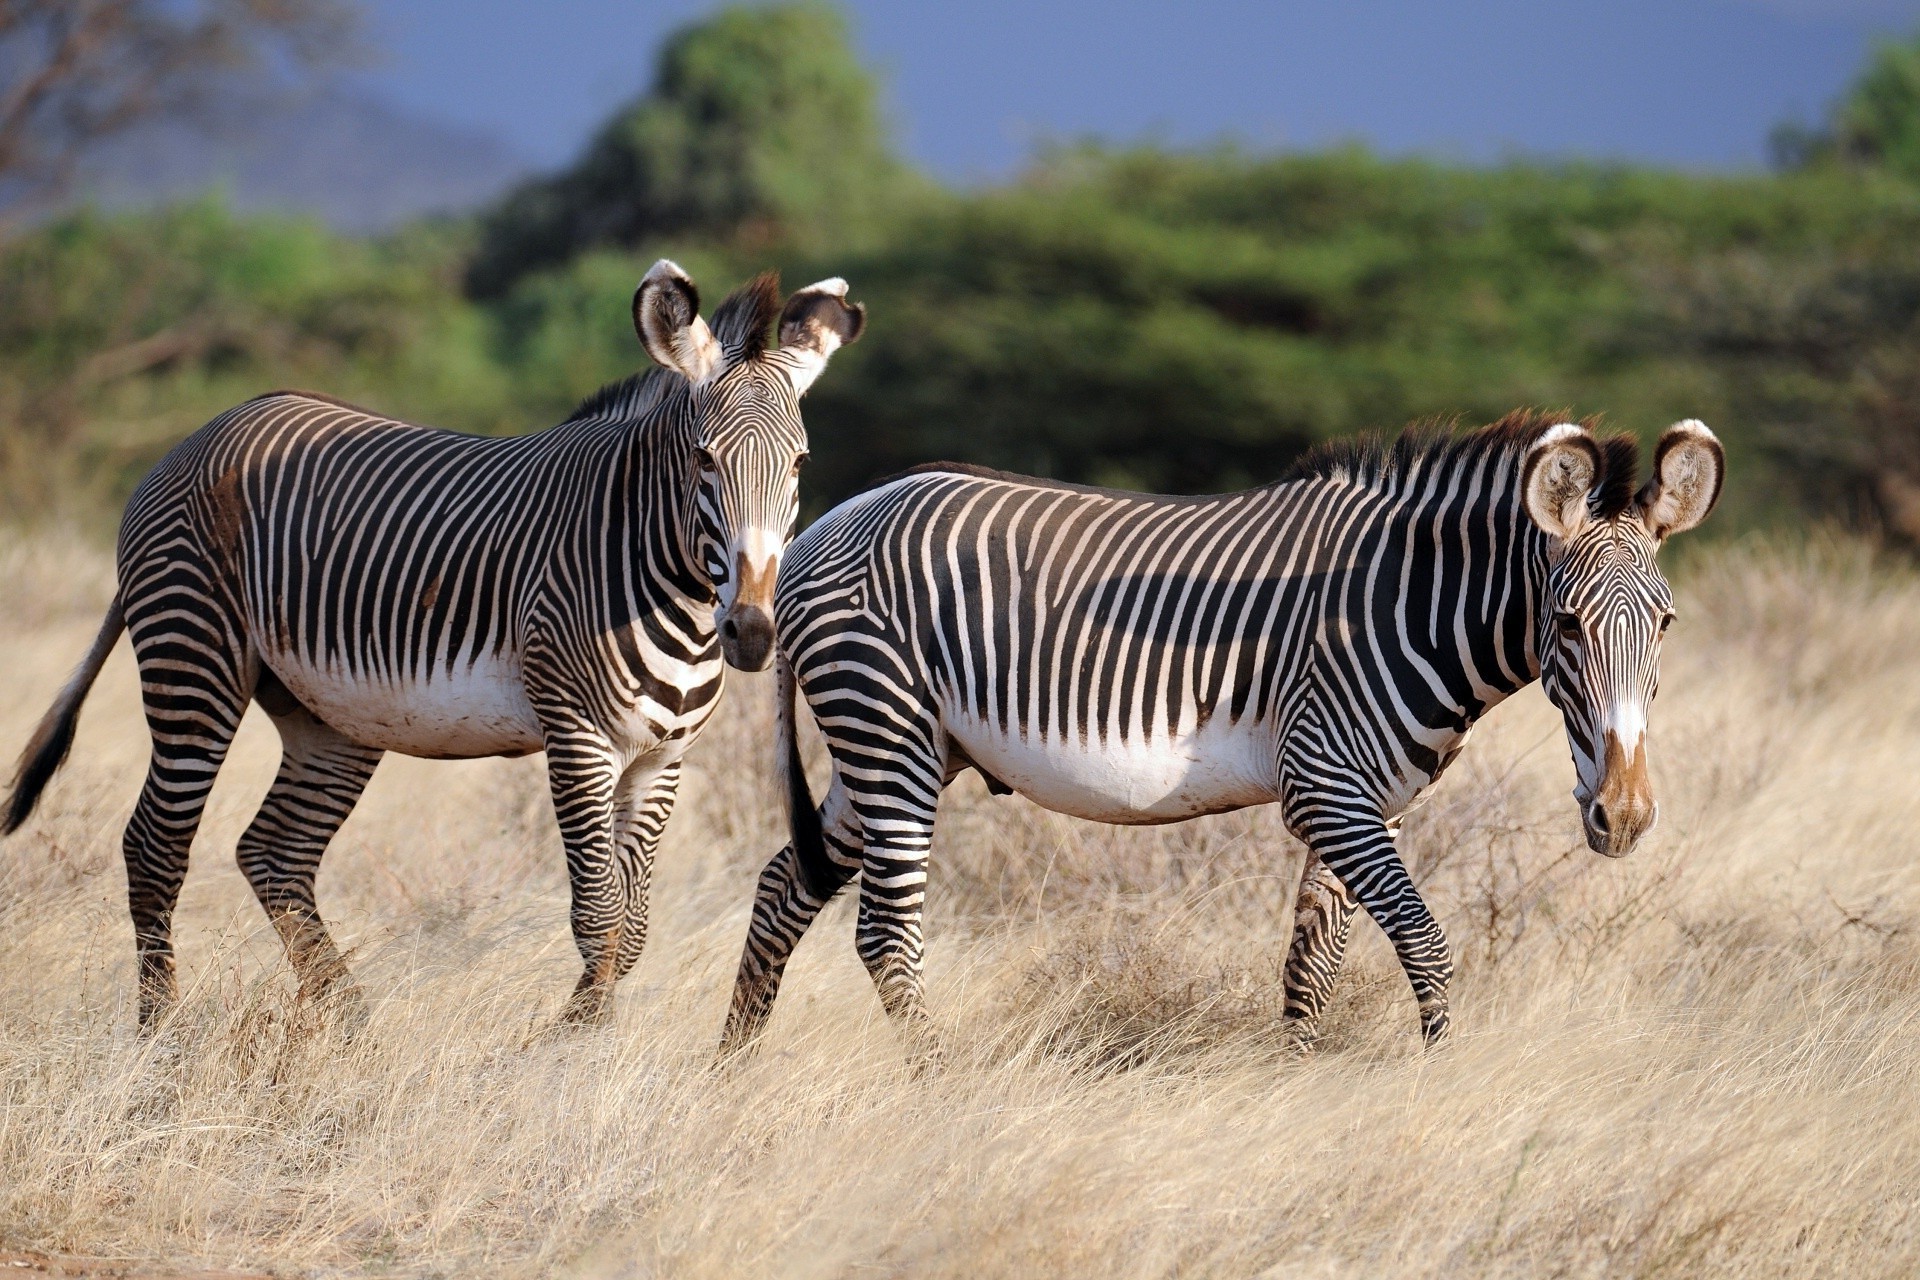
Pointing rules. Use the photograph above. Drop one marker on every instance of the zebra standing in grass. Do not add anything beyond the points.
(1325, 643)
(378, 586)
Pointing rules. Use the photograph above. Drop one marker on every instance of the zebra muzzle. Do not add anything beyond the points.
(1623, 809)
(746, 637)
(746, 621)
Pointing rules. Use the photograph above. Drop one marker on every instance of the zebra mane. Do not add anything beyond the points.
(744, 319)
(742, 323)
(1373, 461)
(634, 396)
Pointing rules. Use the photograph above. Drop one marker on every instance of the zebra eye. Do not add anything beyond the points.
(703, 459)
(1568, 624)
(1666, 620)
(799, 461)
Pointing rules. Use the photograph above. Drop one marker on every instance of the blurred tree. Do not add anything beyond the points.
(1875, 124)
(73, 72)
(761, 127)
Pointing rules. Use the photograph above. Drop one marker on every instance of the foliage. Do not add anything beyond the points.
(761, 125)
(1875, 124)
(120, 333)
(1169, 320)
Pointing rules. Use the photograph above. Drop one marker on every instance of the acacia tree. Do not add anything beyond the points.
(75, 72)
(761, 125)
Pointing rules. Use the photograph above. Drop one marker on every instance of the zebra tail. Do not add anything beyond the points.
(51, 741)
(803, 816)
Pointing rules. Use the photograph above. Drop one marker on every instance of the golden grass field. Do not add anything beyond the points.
(1704, 1059)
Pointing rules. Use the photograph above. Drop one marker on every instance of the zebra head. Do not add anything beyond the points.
(747, 441)
(1607, 605)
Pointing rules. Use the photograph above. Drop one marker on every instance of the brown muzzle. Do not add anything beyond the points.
(1623, 809)
(746, 629)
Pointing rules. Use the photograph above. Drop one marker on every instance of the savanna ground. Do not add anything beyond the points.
(1702, 1059)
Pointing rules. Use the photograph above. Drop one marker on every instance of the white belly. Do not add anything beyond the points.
(478, 710)
(1215, 769)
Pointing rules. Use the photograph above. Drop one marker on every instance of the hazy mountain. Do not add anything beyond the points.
(357, 162)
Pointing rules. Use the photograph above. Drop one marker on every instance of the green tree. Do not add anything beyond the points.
(761, 128)
(1875, 124)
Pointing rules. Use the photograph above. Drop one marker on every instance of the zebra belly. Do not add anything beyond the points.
(1134, 783)
(477, 710)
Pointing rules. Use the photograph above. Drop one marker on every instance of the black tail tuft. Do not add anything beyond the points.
(53, 738)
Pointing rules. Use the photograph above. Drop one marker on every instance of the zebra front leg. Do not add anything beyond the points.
(1357, 847)
(322, 775)
(793, 889)
(645, 803)
(1322, 923)
(583, 775)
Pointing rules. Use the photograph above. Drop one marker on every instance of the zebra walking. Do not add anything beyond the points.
(377, 586)
(1324, 643)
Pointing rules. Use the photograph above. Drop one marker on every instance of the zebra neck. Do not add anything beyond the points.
(1469, 592)
(646, 543)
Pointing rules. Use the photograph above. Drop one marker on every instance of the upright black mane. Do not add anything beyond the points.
(744, 319)
(741, 323)
(1372, 460)
(636, 393)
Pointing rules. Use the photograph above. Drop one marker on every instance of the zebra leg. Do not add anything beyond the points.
(322, 774)
(1358, 848)
(1322, 922)
(648, 795)
(584, 777)
(793, 889)
(889, 936)
(195, 678)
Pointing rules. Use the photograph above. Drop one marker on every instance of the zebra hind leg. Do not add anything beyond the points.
(793, 889)
(322, 774)
(890, 934)
(194, 681)
(1322, 923)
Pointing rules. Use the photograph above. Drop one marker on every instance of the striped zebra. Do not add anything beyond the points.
(1325, 643)
(377, 586)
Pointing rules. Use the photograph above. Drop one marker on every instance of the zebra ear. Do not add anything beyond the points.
(818, 321)
(1561, 470)
(1688, 468)
(666, 315)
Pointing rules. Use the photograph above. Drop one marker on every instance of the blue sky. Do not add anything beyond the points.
(974, 85)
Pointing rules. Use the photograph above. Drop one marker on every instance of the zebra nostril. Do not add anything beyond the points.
(1598, 814)
(729, 631)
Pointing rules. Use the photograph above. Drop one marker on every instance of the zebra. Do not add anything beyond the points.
(379, 586)
(1324, 643)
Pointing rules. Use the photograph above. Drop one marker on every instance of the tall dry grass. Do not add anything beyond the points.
(1703, 1059)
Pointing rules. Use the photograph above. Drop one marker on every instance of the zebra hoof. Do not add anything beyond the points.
(927, 1059)
(586, 1008)
(344, 1009)
(1300, 1035)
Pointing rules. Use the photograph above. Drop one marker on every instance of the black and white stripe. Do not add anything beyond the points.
(1325, 643)
(378, 586)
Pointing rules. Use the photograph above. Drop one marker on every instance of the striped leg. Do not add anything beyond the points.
(793, 889)
(1322, 922)
(897, 813)
(1356, 846)
(645, 803)
(322, 774)
(584, 778)
(194, 681)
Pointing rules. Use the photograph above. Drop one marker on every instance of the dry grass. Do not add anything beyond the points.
(1703, 1059)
